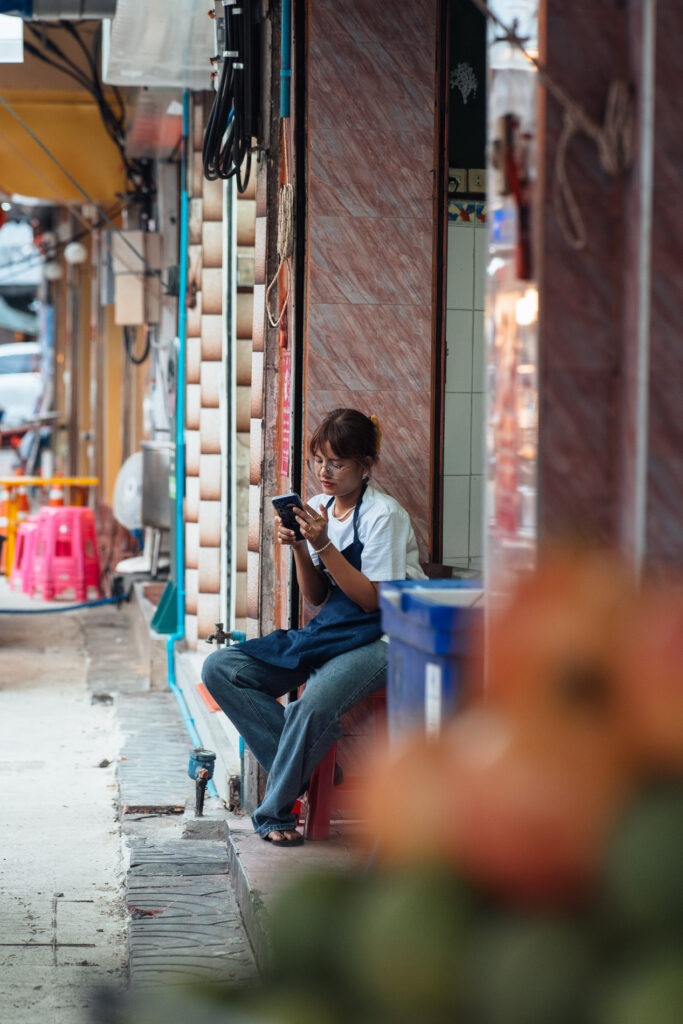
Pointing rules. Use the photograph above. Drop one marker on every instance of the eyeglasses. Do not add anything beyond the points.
(333, 467)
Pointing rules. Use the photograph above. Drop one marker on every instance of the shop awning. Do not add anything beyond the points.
(69, 125)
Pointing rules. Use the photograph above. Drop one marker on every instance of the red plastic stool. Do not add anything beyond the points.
(24, 552)
(66, 553)
(321, 786)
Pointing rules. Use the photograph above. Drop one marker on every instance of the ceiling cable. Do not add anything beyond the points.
(105, 216)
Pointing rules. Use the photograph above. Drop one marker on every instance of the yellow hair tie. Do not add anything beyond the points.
(378, 433)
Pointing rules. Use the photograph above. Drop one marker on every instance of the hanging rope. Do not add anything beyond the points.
(285, 235)
(614, 138)
(614, 142)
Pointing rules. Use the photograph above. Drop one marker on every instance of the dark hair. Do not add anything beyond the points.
(350, 435)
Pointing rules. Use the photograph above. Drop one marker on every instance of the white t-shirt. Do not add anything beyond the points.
(384, 528)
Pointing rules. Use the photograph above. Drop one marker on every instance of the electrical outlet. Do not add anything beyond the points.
(457, 180)
(476, 180)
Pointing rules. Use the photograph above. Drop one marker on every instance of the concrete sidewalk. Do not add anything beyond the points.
(106, 874)
(105, 877)
(61, 872)
(256, 870)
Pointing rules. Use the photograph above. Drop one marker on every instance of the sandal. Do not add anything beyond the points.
(285, 841)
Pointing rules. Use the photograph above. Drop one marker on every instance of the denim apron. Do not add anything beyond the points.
(341, 625)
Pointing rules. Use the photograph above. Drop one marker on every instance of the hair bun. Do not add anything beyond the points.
(378, 433)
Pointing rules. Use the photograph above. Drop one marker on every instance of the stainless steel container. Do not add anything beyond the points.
(156, 503)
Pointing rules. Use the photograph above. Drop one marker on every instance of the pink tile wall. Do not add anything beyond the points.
(371, 93)
(664, 538)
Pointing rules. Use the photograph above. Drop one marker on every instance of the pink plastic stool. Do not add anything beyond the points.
(321, 786)
(24, 551)
(66, 553)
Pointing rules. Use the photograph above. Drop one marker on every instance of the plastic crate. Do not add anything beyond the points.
(429, 624)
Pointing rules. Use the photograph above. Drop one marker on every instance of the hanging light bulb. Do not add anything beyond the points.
(75, 252)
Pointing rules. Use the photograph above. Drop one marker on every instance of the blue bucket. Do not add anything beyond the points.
(429, 625)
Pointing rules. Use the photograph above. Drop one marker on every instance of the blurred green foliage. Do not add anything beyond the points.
(421, 945)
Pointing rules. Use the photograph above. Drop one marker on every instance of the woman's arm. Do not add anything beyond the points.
(352, 581)
(312, 581)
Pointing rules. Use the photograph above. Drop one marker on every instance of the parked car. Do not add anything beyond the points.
(21, 383)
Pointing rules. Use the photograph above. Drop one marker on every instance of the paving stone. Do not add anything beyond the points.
(152, 772)
(187, 926)
(179, 857)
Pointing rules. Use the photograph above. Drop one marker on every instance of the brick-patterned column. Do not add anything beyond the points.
(204, 458)
(246, 217)
(193, 378)
(207, 440)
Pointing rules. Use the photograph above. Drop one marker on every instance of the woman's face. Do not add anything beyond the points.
(337, 476)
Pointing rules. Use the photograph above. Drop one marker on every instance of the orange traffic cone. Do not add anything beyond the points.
(56, 496)
(23, 505)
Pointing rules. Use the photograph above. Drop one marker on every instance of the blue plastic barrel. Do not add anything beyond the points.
(429, 625)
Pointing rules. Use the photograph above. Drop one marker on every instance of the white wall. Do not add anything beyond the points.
(464, 387)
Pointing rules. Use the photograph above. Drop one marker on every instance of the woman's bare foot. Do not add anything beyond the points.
(284, 837)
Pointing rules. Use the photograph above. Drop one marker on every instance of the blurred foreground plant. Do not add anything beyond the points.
(525, 863)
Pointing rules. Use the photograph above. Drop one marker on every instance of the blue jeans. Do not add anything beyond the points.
(289, 741)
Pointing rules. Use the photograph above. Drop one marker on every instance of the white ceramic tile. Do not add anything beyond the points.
(191, 590)
(476, 517)
(456, 518)
(208, 614)
(210, 524)
(478, 351)
(460, 271)
(192, 452)
(191, 631)
(459, 350)
(193, 404)
(481, 241)
(192, 498)
(209, 567)
(460, 563)
(457, 433)
(477, 442)
(210, 468)
(477, 565)
(191, 545)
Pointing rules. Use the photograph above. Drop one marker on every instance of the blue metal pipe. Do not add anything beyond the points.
(285, 58)
(180, 443)
(63, 608)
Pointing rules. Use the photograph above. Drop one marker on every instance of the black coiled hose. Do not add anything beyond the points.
(232, 122)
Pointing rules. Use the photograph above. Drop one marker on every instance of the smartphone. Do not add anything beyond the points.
(283, 504)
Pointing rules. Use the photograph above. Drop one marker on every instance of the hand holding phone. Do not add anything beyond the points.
(284, 505)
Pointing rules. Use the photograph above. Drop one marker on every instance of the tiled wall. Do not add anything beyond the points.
(464, 387)
(370, 93)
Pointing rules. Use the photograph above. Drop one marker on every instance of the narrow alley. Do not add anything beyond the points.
(97, 882)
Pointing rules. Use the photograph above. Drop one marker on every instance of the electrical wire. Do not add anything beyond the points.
(129, 338)
(114, 123)
(230, 128)
(151, 271)
(68, 174)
